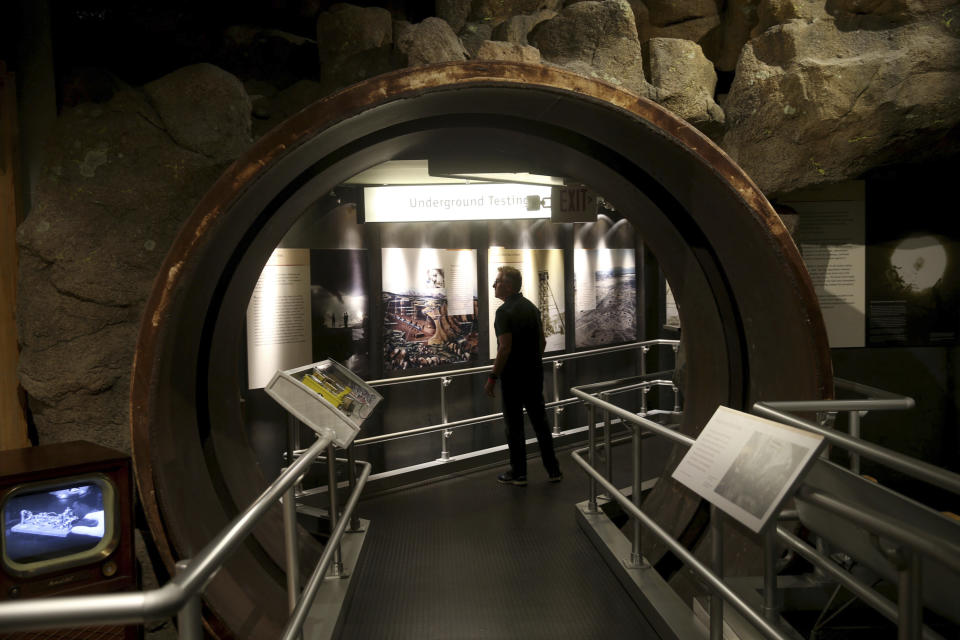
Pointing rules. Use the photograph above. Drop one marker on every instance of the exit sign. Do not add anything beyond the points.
(573, 203)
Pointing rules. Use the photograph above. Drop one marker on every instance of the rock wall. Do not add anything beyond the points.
(821, 91)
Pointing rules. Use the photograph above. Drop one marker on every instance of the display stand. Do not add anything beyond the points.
(327, 397)
(747, 466)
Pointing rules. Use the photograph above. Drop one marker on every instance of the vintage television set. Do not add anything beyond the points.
(66, 511)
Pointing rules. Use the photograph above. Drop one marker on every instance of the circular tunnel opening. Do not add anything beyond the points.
(752, 328)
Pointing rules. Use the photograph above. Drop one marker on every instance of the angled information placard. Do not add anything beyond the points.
(747, 465)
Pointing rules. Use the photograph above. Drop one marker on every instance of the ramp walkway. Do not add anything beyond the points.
(467, 557)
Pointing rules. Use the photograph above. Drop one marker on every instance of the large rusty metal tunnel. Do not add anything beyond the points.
(752, 327)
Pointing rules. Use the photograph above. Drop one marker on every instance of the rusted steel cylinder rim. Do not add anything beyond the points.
(752, 326)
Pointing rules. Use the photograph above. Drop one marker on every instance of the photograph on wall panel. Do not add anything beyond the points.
(338, 303)
(913, 284)
(605, 291)
(430, 308)
(542, 272)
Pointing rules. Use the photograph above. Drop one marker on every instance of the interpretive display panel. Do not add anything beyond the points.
(747, 465)
(605, 282)
(831, 238)
(429, 307)
(327, 397)
(278, 317)
(338, 302)
(543, 278)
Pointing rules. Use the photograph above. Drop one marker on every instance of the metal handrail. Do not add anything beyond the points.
(490, 417)
(945, 552)
(557, 405)
(717, 583)
(560, 357)
(877, 399)
(910, 466)
(873, 598)
(182, 592)
(632, 418)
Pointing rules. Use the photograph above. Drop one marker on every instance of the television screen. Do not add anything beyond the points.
(48, 524)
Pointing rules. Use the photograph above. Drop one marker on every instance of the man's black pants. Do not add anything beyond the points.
(517, 395)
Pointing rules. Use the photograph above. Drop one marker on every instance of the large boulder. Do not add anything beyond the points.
(118, 180)
(685, 81)
(204, 109)
(496, 11)
(474, 34)
(813, 103)
(681, 19)
(517, 28)
(455, 12)
(267, 55)
(509, 51)
(429, 42)
(354, 43)
(597, 39)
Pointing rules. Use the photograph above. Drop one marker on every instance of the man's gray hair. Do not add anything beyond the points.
(512, 276)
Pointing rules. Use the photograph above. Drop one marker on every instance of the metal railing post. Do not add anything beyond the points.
(676, 399)
(771, 594)
(643, 359)
(607, 457)
(290, 547)
(636, 550)
(189, 620)
(336, 567)
(556, 397)
(909, 600)
(445, 435)
(592, 444)
(854, 427)
(293, 443)
(716, 552)
(352, 479)
(643, 400)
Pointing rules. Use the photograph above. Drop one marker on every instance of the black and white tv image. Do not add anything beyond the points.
(49, 524)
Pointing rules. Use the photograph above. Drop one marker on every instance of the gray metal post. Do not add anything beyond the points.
(716, 552)
(556, 397)
(336, 567)
(293, 443)
(636, 551)
(854, 433)
(643, 360)
(643, 400)
(592, 444)
(445, 435)
(189, 620)
(607, 457)
(771, 596)
(909, 602)
(352, 479)
(676, 399)
(290, 547)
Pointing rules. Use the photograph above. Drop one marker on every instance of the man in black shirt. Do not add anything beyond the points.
(520, 344)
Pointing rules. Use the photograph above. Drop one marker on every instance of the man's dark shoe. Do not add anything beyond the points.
(509, 478)
(556, 478)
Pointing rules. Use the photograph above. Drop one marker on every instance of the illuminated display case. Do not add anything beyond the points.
(327, 397)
